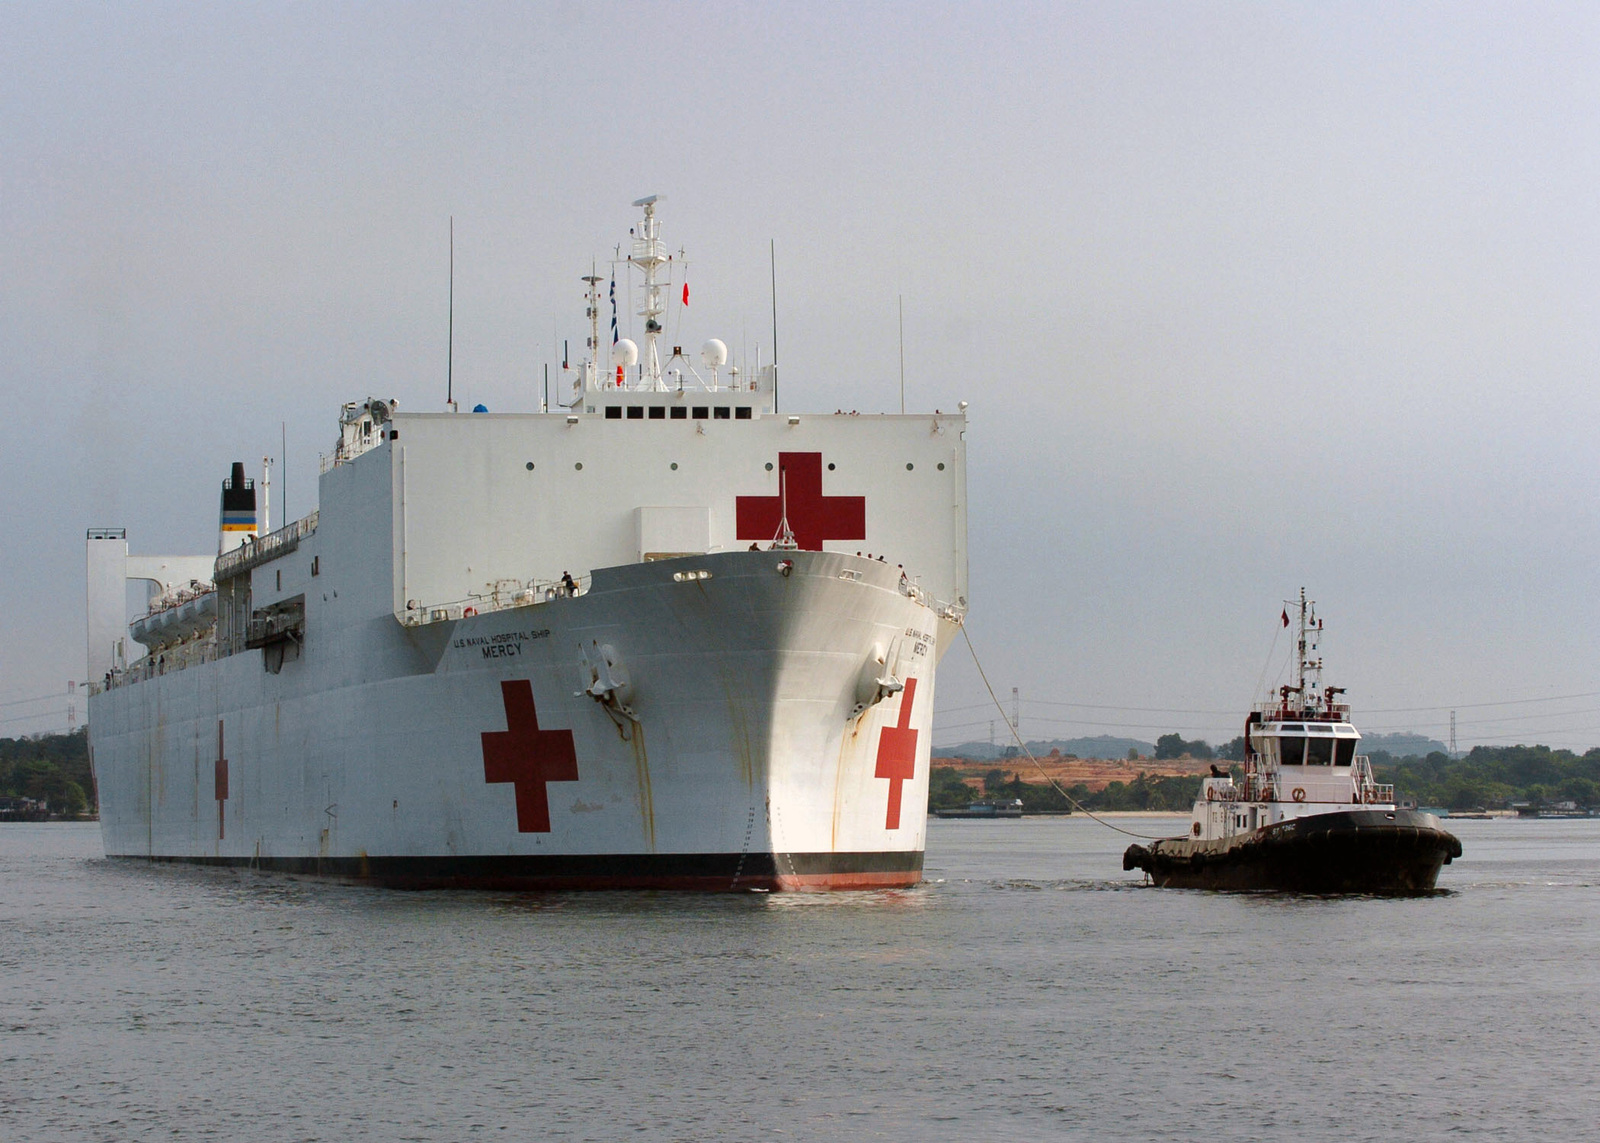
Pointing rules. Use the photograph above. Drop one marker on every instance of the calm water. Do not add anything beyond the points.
(1031, 990)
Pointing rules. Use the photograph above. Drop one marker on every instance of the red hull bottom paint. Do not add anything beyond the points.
(697, 872)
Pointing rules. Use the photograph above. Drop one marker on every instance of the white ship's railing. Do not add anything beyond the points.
(508, 593)
(1364, 790)
(503, 595)
(268, 547)
(163, 662)
(1366, 784)
(178, 596)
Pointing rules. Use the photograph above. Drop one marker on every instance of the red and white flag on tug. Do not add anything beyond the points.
(1286, 617)
(686, 293)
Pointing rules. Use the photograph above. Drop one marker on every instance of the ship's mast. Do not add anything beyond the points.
(650, 254)
(591, 368)
(1300, 656)
(1304, 664)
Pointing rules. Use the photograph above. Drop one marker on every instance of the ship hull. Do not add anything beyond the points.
(698, 872)
(1355, 851)
(729, 755)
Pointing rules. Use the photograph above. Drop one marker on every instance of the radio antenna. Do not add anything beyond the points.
(902, 355)
(772, 251)
(450, 351)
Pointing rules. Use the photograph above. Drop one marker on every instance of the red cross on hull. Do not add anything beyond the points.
(897, 754)
(528, 757)
(813, 517)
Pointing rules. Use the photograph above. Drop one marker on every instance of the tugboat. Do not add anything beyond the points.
(1309, 817)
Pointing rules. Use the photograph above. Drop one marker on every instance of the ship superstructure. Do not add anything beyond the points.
(634, 639)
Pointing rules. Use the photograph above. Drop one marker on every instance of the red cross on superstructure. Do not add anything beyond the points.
(813, 517)
(528, 757)
(897, 754)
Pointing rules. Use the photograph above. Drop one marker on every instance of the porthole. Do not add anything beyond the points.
(579, 466)
(830, 466)
(769, 466)
(530, 466)
(674, 466)
(941, 466)
(908, 468)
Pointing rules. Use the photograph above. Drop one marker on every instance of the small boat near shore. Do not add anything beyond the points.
(993, 808)
(1309, 816)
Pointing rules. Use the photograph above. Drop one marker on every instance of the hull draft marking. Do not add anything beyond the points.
(528, 757)
(897, 755)
(220, 781)
(813, 517)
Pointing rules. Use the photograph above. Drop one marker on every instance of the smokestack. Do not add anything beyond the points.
(238, 511)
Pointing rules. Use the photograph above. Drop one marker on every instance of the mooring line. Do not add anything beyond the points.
(1024, 747)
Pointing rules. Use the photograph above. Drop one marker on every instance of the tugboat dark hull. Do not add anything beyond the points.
(1348, 851)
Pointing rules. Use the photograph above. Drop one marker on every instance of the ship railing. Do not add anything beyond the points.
(502, 596)
(165, 661)
(178, 596)
(269, 547)
(1367, 784)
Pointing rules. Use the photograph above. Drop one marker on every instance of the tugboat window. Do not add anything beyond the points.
(720, 413)
(613, 412)
(1344, 752)
(679, 413)
(741, 412)
(1319, 752)
(635, 412)
(1292, 751)
(658, 412)
(701, 412)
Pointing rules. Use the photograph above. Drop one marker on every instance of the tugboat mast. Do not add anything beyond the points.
(1309, 628)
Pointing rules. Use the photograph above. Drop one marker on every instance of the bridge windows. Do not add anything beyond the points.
(679, 412)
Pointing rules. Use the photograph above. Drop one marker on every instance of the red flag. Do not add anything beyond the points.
(1286, 617)
(686, 293)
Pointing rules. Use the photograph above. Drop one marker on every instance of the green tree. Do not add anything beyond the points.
(1170, 746)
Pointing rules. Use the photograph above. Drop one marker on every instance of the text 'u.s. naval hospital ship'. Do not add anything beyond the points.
(406, 687)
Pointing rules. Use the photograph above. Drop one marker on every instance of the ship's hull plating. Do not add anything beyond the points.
(1354, 851)
(472, 753)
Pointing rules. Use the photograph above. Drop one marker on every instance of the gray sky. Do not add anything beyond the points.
(1244, 297)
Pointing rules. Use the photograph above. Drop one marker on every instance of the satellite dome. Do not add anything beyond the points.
(625, 353)
(480, 408)
(714, 353)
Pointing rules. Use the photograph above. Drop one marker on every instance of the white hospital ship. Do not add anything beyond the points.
(631, 640)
